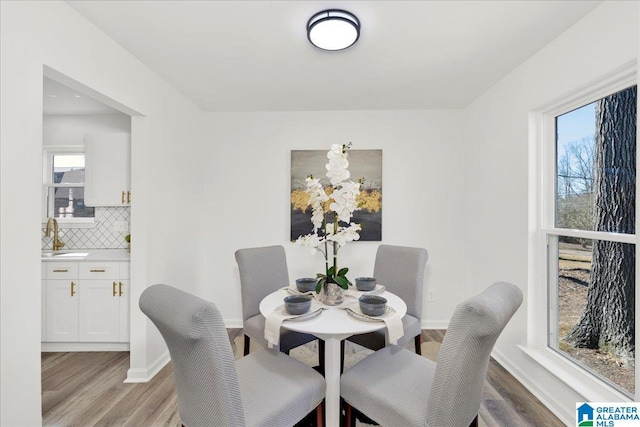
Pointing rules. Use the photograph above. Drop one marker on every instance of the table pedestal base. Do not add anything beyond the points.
(332, 376)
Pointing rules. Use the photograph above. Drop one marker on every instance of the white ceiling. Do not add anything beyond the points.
(254, 55)
(61, 99)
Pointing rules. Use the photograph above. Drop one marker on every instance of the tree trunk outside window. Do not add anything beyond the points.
(608, 318)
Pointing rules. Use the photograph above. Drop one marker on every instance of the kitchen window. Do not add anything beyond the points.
(63, 195)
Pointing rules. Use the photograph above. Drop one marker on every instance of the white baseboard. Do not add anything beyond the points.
(435, 324)
(142, 375)
(233, 323)
(83, 346)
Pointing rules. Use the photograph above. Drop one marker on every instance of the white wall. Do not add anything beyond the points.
(70, 129)
(166, 183)
(247, 200)
(452, 187)
(497, 167)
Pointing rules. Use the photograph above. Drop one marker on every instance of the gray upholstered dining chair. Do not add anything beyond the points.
(401, 270)
(396, 387)
(263, 271)
(264, 388)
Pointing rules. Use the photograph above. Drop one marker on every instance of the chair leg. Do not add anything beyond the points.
(342, 356)
(349, 416)
(474, 423)
(321, 355)
(418, 342)
(320, 415)
(246, 344)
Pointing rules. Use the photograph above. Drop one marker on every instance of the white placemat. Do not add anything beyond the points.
(355, 293)
(391, 319)
(276, 317)
(294, 291)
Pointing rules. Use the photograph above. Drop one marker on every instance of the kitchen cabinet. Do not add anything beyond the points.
(61, 312)
(124, 292)
(99, 302)
(43, 302)
(87, 302)
(107, 169)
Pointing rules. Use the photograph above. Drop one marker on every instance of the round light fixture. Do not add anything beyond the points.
(333, 29)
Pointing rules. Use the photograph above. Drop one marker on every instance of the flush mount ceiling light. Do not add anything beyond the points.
(333, 29)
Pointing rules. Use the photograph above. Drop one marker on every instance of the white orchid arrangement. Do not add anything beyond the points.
(331, 215)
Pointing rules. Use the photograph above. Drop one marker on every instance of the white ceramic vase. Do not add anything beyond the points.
(331, 294)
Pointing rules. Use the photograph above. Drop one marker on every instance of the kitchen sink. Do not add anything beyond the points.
(64, 254)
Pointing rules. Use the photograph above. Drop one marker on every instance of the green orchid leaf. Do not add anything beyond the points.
(343, 271)
(342, 281)
(331, 272)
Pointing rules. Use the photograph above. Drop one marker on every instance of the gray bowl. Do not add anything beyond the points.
(297, 304)
(372, 305)
(365, 283)
(306, 284)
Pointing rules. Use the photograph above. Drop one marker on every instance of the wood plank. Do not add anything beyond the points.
(87, 389)
(88, 393)
(530, 409)
(136, 399)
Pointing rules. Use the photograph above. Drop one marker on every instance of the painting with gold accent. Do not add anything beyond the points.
(363, 164)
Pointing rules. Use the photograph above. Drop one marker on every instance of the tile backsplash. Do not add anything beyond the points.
(102, 236)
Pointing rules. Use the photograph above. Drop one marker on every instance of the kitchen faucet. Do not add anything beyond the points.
(57, 243)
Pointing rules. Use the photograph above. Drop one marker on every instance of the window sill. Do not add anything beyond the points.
(86, 223)
(591, 388)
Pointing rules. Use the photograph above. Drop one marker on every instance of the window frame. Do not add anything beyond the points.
(544, 237)
(47, 177)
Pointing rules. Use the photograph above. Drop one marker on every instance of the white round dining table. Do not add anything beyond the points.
(332, 326)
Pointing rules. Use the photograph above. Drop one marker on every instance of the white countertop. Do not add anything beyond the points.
(85, 255)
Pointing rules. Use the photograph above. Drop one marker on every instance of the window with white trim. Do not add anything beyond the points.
(63, 195)
(588, 223)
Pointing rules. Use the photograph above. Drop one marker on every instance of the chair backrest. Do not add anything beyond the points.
(401, 269)
(262, 271)
(203, 363)
(463, 359)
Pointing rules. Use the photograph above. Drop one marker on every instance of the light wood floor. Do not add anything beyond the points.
(87, 389)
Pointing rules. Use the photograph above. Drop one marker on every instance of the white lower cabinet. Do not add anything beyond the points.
(43, 301)
(99, 311)
(87, 302)
(124, 308)
(62, 311)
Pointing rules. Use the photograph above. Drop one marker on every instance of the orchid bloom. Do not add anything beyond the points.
(317, 197)
(345, 200)
(346, 234)
(337, 171)
(344, 204)
(311, 241)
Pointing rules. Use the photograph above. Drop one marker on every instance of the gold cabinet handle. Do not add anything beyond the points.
(120, 289)
(114, 289)
(96, 270)
(73, 292)
(60, 270)
(128, 196)
(122, 197)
